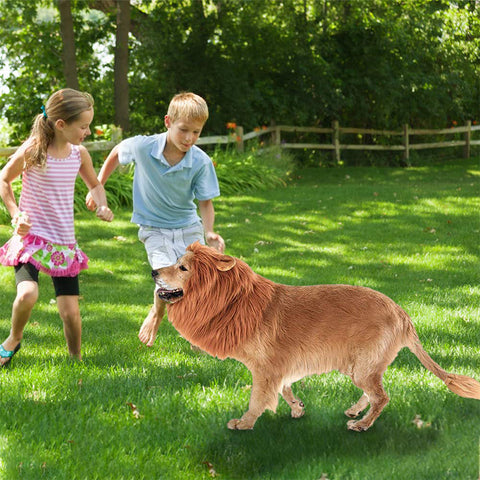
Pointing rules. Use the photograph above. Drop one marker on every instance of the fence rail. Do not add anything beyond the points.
(334, 144)
(335, 133)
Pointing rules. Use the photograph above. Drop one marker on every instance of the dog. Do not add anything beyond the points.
(283, 333)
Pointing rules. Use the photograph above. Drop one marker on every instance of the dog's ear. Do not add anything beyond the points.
(225, 263)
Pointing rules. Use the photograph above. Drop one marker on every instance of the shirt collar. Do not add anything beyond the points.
(157, 152)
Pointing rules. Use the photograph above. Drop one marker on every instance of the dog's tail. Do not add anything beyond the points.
(459, 384)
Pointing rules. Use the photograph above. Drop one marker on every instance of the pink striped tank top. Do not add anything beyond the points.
(47, 197)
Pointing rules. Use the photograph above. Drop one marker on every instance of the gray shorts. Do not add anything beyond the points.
(165, 246)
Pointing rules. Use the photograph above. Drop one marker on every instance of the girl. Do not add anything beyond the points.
(44, 237)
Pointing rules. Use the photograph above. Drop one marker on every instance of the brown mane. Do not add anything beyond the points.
(220, 309)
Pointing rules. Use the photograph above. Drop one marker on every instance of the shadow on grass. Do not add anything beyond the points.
(90, 410)
(183, 410)
(78, 419)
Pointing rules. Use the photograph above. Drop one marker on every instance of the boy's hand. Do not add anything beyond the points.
(216, 241)
(105, 214)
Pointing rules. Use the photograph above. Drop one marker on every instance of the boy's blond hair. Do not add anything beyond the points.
(188, 106)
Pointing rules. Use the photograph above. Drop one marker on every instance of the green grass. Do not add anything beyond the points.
(411, 233)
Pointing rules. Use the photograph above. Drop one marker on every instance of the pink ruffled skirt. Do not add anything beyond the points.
(54, 259)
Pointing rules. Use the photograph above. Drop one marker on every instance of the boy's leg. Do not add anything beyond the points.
(67, 292)
(149, 328)
(27, 295)
(163, 247)
(157, 243)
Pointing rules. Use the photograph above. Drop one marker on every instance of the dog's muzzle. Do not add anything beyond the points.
(164, 292)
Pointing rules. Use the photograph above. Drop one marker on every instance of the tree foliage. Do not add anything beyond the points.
(369, 63)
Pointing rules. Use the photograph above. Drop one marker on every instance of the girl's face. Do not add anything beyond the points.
(76, 131)
(183, 133)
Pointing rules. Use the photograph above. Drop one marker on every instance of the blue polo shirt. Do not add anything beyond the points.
(163, 196)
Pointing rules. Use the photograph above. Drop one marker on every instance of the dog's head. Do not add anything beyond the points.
(215, 301)
(199, 262)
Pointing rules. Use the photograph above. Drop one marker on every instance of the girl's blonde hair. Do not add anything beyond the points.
(188, 106)
(67, 105)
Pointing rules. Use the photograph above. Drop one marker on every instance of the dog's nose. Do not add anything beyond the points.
(154, 273)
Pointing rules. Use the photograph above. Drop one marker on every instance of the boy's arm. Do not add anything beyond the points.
(207, 213)
(110, 164)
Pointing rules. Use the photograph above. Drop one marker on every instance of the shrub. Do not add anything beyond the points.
(237, 173)
(255, 170)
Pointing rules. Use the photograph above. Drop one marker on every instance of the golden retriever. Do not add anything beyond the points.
(283, 333)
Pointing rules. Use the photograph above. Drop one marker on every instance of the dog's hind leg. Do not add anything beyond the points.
(264, 395)
(355, 410)
(375, 394)
(297, 406)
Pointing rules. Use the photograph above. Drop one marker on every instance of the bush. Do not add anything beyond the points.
(237, 173)
(255, 170)
(118, 190)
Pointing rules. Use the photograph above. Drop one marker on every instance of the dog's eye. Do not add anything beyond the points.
(183, 268)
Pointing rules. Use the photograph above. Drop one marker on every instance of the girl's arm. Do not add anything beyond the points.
(110, 164)
(8, 174)
(96, 190)
(207, 213)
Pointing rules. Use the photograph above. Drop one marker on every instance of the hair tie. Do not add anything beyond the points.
(44, 112)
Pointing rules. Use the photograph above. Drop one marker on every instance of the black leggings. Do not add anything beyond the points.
(62, 285)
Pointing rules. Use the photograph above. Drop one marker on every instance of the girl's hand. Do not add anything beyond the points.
(105, 214)
(90, 202)
(21, 224)
(216, 241)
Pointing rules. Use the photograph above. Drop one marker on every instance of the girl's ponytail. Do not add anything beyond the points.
(42, 135)
(66, 105)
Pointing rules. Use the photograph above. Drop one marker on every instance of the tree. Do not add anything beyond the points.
(69, 58)
(31, 56)
(121, 65)
(375, 63)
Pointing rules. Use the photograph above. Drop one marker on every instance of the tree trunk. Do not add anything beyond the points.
(121, 65)
(68, 40)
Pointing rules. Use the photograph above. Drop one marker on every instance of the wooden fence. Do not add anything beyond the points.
(97, 146)
(280, 136)
(383, 138)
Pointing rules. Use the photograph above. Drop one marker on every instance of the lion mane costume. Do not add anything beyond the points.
(283, 333)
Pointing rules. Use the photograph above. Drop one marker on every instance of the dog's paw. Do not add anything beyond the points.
(351, 413)
(356, 426)
(239, 424)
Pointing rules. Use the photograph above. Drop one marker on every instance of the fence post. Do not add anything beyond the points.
(117, 134)
(275, 137)
(336, 141)
(278, 136)
(468, 134)
(406, 142)
(239, 139)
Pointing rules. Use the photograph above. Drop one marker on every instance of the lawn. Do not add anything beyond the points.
(131, 412)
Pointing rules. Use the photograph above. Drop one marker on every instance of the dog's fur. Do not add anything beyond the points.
(283, 333)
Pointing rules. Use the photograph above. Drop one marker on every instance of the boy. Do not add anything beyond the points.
(170, 172)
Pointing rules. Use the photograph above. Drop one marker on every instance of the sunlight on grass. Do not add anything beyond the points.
(128, 411)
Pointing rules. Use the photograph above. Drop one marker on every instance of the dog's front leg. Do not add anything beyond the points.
(297, 406)
(264, 395)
